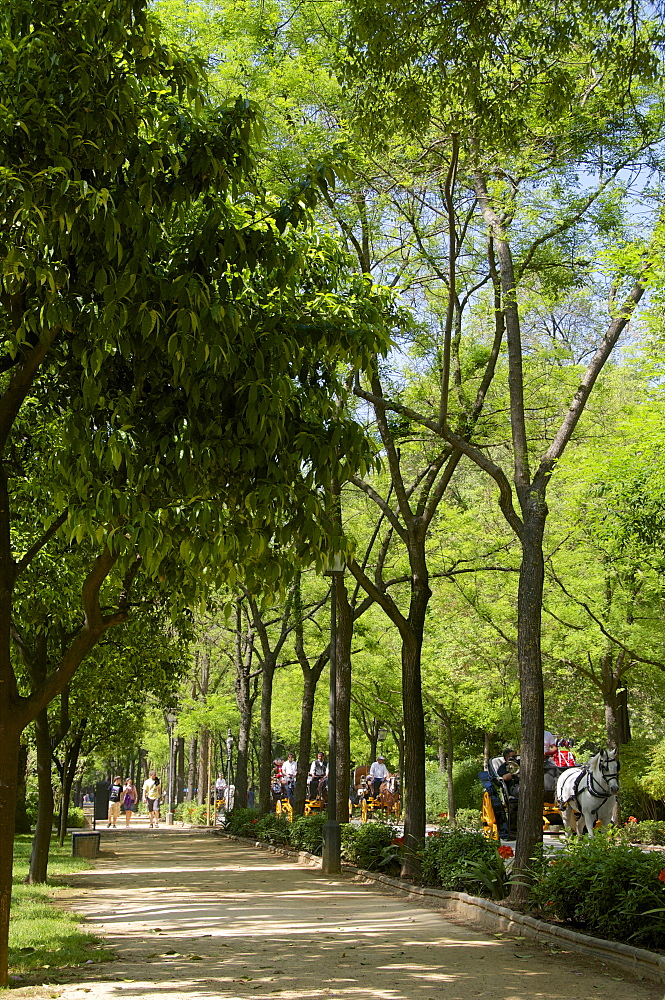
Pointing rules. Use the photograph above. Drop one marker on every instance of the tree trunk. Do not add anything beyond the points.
(204, 749)
(22, 824)
(529, 613)
(242, 754)
(191, 769)
(452, 812)
(65, 790)
(413, 712)
(343, 652)
(486, 750)
(42, 838)
(310, 680)
(9, 763)
(180, 780)
(265, 759)
(442, 746)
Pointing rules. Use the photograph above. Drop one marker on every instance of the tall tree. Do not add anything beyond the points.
(527, 92)
(185, 352)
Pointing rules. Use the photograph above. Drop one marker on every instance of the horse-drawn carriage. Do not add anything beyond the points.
(283, 804)
(387, 800)
(574, 796)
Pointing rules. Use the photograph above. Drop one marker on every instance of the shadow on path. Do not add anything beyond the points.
(195, 915)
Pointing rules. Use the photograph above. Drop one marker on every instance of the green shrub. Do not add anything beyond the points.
(649, 831)
(75, 817)
(467, 789)
(449, 858)
(307, 833)
(273, 829)
(466, 819)
(371, 845)
(190, 812)
(242, 822)
(606, 888)
(32, 807)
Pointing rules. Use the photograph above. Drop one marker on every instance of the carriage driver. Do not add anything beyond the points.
(378, 772)
(317, 771)
(507, 770)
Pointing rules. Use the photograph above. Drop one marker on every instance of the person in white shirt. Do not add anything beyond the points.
(378, 772)
(289, 773)
(220, 788)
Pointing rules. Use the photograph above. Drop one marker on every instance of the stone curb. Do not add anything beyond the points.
(494, 917)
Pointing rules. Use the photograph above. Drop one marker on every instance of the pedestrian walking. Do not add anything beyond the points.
(115, 793)
(129, 800)
(152, 792)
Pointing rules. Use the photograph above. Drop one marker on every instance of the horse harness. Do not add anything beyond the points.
(592, 787)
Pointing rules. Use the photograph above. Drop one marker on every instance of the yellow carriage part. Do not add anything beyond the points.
(350, 810)
(490, 825)
(284, 808)
(364, 810)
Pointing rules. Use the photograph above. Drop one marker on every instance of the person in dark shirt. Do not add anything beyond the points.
(115, 794)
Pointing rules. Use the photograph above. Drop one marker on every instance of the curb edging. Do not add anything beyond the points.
(492, 916)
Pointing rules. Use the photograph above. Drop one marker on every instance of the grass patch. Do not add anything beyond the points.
(41, 935)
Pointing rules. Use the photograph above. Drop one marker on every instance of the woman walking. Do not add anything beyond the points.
(129, 799)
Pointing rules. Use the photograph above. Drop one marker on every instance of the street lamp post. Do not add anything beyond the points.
(331, 862)
(170, 722)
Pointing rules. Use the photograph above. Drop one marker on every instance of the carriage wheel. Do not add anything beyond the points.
(490, 826)
(364, 811)
(350, 810)
(287, 809)
(308, 809)
(278, 807)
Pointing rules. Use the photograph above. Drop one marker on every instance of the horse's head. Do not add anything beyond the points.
(608, 765)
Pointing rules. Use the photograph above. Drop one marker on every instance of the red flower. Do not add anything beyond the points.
(398, 841)
(434, 833)
(443, 815)
(631, 819)
(505, 851)
(661, 877)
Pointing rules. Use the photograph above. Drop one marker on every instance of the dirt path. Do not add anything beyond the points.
(195, 916)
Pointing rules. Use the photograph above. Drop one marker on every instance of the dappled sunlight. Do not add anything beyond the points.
(204, 917)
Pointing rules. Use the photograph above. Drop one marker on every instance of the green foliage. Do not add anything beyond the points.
(606, 888)
(190, 812)
(242, 822)
(647, 831)
(76, 818)
(445, 855)
(467, 789)
(307, 833)
(466, 819)
(273, 829)
(370, 846)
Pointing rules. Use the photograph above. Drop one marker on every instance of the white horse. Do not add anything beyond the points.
(586, 795)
